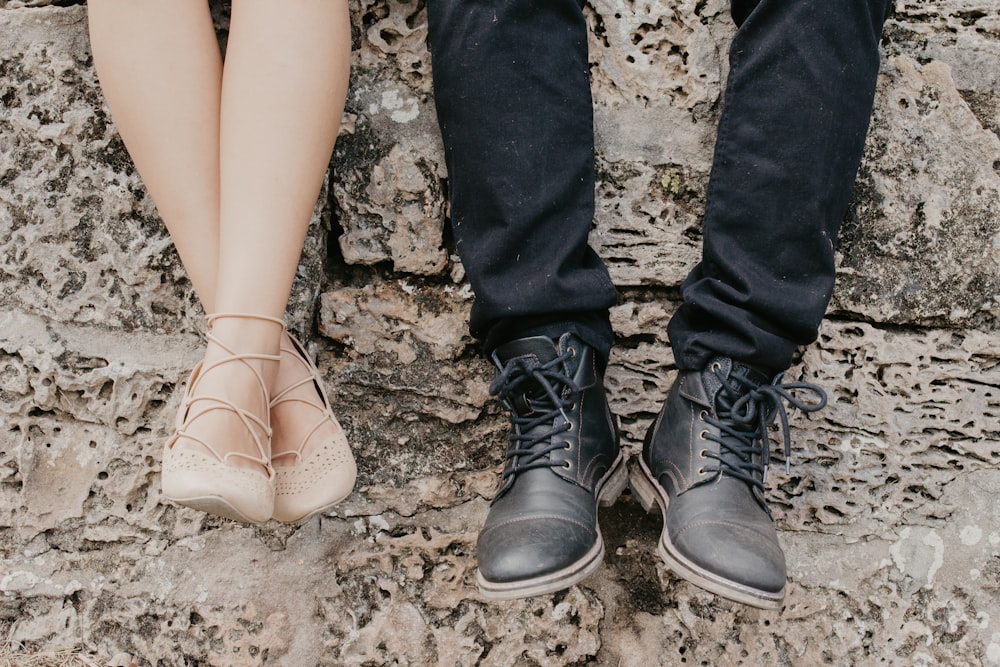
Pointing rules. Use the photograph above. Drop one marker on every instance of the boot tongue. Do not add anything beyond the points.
(728, 369)
(539, 347)
(750, 373)
(536, 351)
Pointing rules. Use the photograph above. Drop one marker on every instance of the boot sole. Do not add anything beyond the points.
(651, 495)
(608, 490)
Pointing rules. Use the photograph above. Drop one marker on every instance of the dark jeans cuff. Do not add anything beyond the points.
(594, 328)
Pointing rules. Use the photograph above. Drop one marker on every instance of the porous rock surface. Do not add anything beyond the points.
(889, 515)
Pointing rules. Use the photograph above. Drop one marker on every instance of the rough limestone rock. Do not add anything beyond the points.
(888, 515)
(925, 244)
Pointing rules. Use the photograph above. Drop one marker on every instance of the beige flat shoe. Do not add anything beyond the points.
(202, 479)
(306, 485)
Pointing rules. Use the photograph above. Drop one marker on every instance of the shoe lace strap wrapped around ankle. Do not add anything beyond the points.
(319, 405)
(744, 411)
(536, 394)
(254, 424)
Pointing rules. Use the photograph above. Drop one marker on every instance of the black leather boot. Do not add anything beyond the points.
(541, 534)
(704, 464)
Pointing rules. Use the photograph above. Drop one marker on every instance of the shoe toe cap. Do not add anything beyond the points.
(208, 485)
(737, 553)
(315, 484)
(532, 547)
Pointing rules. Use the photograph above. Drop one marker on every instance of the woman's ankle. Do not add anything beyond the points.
(256, 337)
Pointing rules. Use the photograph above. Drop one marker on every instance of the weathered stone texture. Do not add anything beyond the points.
(389, 171)
(926, 243)
(657, 74)
(888, 515)
(79, 240)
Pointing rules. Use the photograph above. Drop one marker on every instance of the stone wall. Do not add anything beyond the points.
(889, 516)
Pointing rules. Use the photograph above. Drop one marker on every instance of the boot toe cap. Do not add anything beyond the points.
(529, 548)
(740, 554)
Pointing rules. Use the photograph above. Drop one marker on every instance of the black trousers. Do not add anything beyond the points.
(513, 100)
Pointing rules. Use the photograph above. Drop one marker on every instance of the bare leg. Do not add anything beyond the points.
(283, 94)
(286, 80)
(161, 73)
(282, 98)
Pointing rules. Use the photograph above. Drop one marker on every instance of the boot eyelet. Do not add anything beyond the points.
(716, 366)
(701, 471)
(701, 453)
(702, 415)
(569, 427)
(703, 435)
(572, 352)
(568, 465)
(569, 446)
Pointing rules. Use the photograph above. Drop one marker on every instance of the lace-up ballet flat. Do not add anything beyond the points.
(310, 482)
(202, 478)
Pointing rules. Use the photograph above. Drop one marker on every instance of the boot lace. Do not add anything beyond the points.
(744, 411)
(536, 394)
